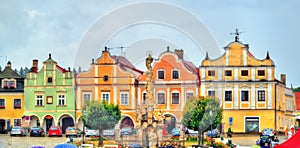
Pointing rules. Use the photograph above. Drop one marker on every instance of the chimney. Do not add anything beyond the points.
(179, 53)
(283, 78)
(8, 64)
(34, 67)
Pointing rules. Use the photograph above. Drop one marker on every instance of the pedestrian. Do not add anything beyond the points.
(292, 130)
(286, 131)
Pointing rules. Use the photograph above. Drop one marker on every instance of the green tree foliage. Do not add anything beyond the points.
(101, 116)
(296, 89)
(196, 114)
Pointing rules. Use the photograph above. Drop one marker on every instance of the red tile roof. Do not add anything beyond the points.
(297, 97)
(61, 69)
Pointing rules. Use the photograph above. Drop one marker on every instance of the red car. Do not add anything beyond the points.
(54, 131)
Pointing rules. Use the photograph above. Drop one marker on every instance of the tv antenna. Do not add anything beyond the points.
(121, 48)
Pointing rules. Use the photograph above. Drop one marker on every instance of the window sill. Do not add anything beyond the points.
(61, 105)
(39, 106)
(17, 107)
(2, 107)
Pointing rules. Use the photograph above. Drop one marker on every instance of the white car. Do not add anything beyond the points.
(91, 132)
(18, 130)
(109, 133)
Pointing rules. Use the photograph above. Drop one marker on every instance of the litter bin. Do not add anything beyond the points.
(71, 139)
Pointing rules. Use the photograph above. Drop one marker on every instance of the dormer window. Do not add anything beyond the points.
(175, 74)
(49, 79)
(161, 74)
(8, 83)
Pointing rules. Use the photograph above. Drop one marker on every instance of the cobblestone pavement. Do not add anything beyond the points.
(26, 142)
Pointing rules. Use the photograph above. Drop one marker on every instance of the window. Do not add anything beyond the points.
(12, 84)
(105, 97)
(244, 72)
(161, 98)
(17, 122)
(6, 83)
(105, 78)
(86, 98)
(189, 95)
(261, 72)
(61, 100)
(17, 103)
(228, 73)
(261, 95)
(124, 98)
(175, 98)
(228, 95)
(39, 100)
(144, 98)
(245, 95)
(175, 74)
(211, 93)
(49, 79)
(2, 103)
(211, 73)
(161, 74)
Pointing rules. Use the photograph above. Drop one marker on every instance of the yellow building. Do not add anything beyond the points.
(11, 99)
(251, 97)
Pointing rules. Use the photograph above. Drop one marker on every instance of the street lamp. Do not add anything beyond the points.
(210, 114)
(83, 127)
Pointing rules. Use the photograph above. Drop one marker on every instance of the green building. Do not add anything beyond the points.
(49, 96)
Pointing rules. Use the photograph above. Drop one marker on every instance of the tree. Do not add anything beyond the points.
(296, 89)
(101, 116)
(196, 114)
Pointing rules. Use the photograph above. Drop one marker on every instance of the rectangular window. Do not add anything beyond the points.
(161, 74)
(160, 98)
(49, 79)
(17, 122)
(17, 103)
(245, 95)
(211, 73)
(105, 78)
(39, 100)
(189, 95)
(61, 100)
(228, 95)
(244, 72)
(175, 98)
(228, 73)
(144, 98)
(105, 97)
(124, 99)
(261, 94)
(12, 84)
(5, 83)
(261, 72)
(175, 74)
(86, 98)
(2, 103)
(211, 93)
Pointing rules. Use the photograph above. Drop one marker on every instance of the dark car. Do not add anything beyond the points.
(37, 131)
(264, 141)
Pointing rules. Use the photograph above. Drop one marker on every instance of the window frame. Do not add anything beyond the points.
(259, 96)
(50, 79)
(16, 121)
(60, 99)
(105, 78)
(122, 95)
(158, 97)
(211, 73)
(17, 106)
(144, 97)
(2, 106)
(244, 95)
(85, 98)
(228, 73)
(261, 72)
(188, 94)
(177, 97)
(225, 96)
(243, 73)
(159, 72)
(175, 70)
(105, 96)
(38, 100)
(209, 94)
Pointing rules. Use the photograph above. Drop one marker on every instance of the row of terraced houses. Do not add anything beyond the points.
(251, 97)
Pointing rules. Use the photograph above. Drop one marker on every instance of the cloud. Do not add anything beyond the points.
(32, 14)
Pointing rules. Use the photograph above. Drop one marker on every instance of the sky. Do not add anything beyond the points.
(74, 32)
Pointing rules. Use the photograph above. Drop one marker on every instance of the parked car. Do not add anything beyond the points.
(54, 131)
(72, 131)
(264, 141)
(127, 131)
(109, 133)
(213, 133)
(37, 131)
(91, 132)
(18, 130)
(270, 132)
